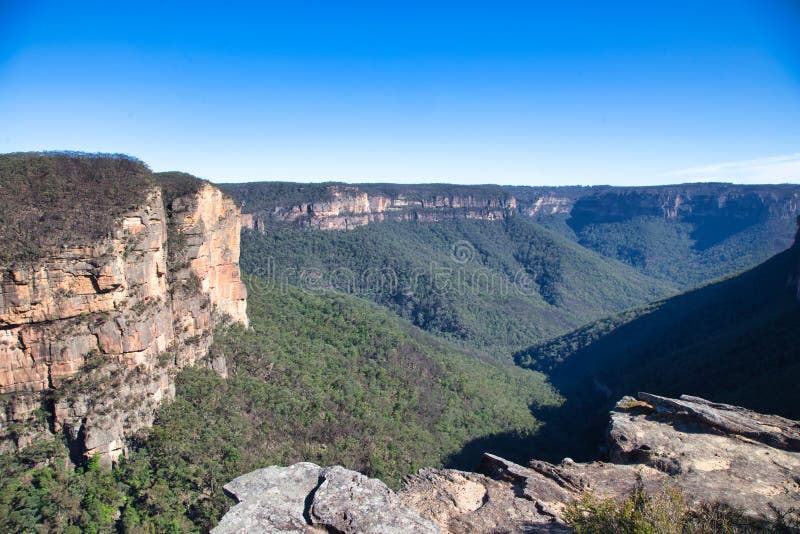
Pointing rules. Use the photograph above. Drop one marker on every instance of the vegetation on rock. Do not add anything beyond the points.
(52, 200)
(667, 512)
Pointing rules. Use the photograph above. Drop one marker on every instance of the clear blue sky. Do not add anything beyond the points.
(528, 92)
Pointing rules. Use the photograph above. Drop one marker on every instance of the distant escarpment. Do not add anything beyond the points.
(713, 463)
(338, 206)
(344, 207)
(112, 279)
(683, 235)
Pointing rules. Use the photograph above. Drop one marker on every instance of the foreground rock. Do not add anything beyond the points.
(308, 498)
(711, 452)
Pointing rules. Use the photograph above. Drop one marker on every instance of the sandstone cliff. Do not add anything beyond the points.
(714, 453)
(92, 334)
(346, 206)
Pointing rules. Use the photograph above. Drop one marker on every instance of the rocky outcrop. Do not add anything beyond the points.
(549, 204)
(91, 335)
(713, 453)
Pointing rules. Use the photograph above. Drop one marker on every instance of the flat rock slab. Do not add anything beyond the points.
(272, 499)
(712, 452)
(306, 498)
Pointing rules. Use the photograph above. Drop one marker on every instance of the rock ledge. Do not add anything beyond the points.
(711, 452)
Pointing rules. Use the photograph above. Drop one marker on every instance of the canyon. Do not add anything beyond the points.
(110, 310)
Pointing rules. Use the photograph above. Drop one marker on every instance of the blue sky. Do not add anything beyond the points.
(557, 92)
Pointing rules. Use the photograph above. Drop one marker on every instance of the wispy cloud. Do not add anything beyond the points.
(776, 169)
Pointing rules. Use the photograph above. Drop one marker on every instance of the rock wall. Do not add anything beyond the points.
(713, 453)
(91, 336)
(701, 203)
(350, 208)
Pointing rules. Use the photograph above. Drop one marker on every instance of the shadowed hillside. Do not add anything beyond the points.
(735, 341)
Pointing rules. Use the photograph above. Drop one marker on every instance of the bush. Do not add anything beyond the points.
(666, 512)
(51, 200)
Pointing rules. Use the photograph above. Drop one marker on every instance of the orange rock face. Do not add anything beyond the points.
(350, 208)
(126, 305)
(212, 225)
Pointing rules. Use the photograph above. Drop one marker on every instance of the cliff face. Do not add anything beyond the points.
(347, 207)
(91, 336)
(712, 208)
(713, 453)
(715, 211)
(688, 202)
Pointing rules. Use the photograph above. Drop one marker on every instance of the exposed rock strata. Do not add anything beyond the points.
(97, 331)
(712, 452)
(349, 206)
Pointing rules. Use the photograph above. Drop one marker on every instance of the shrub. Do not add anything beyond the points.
(666, 512)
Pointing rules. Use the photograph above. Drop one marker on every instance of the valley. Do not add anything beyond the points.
(494, 285)
(141, 371)
(400, 268)
(535, 262)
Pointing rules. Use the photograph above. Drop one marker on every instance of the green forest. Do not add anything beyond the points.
(320, 376)
(499, 286)
(668, 250)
